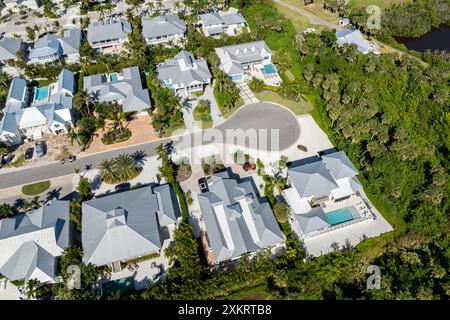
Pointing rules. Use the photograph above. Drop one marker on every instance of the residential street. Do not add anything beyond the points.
(269, 117)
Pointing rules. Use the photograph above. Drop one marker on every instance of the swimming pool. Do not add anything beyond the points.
(342, 215)
(122, 285)
(113, 77)
(41, 93)
(269, 68)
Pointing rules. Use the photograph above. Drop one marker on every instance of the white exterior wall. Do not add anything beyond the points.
(32, 4)
(111, 43)
(11, 138)
(43, 60)
(175, 38)
(235, 29)
(74, 57)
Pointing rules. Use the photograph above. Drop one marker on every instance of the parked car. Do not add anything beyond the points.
(6, 158)
(41, 148)
(203, 184)
(248, 166)
(29, 153)
(122, 187)
(69, 159)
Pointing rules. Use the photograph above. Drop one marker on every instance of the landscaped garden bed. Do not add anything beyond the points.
(116, 136)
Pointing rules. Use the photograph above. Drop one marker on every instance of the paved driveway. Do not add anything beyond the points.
(255, 116)
(245, 92)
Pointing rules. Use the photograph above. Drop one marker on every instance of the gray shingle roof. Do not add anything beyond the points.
(125, 225)
(184, 70)
(349, 36)
(8, 122)
(235, 18)
(16, 95)
(32, 254)
(9, 48)
(210, 19)
(17, 89)
(108, 30)
(339, 165)
(66, 81)
(163, 26)
(129, 89)
(246, 52)
(237, 221)
(314, 220)
(312, 179)
(50, 44)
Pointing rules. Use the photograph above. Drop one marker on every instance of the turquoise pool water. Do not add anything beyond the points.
(41, 93)
(341, 215)
(113, 77)
(122, 285)
(269, 68)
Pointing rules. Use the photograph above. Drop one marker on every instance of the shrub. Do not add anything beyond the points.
(256, 85)
(116, 136)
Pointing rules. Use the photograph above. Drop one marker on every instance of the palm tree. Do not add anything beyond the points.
(82, 101)
(73, 136)
(177, 6)
(107, 171)
(125, 167)
(32, 287)
(32, 204)
(159, 5)
(151, 7)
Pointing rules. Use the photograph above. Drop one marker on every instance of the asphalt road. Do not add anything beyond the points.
(256, 116)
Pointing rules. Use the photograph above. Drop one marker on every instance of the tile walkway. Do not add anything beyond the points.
(245, 92)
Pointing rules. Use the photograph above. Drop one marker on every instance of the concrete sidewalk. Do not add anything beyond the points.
(59, 187)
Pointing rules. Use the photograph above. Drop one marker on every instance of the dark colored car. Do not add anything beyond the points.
(69, 159)
(29, 153)
(6, 158)
(40, 148)
(247, 166)
(203, 184)
(122, 187)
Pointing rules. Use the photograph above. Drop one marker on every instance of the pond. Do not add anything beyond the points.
(437, 39)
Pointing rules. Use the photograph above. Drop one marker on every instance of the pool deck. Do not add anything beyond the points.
(351, 232)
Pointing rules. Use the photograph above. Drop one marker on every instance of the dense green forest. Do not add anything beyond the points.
(409, 19)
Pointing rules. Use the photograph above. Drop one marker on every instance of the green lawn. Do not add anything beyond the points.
(297, 107)
(300, 22)
(35, 188)
(380, 3)
(20, 160)
(256, 293)
(315, 8)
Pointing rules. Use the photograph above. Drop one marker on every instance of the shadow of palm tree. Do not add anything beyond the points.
(53, 194)
(168, 147)
(19, 203)
(139, 157)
